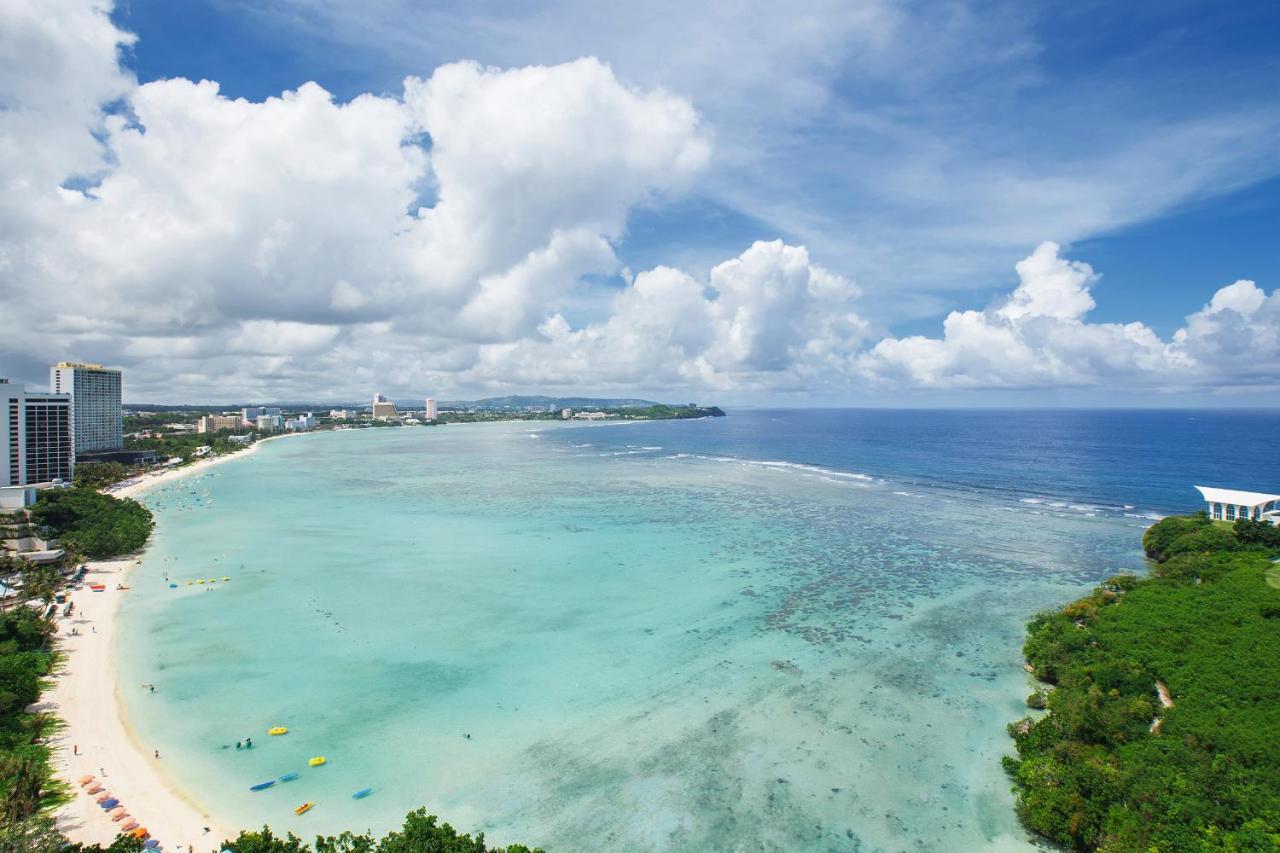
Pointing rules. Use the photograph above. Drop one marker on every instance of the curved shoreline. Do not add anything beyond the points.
(96, 736)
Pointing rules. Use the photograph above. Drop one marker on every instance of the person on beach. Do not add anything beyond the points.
(157, 753)
(238, 745)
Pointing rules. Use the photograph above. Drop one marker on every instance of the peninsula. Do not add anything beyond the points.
(1163, 700)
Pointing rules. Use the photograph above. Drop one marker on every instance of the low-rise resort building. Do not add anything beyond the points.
(1232, 504)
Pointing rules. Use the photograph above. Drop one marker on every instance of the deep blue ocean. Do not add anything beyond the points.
(1117, 461)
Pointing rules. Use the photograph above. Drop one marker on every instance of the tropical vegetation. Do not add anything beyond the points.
(95, 524)
(421, 833)
(97, 475)
(26, 658)
(1162, 701)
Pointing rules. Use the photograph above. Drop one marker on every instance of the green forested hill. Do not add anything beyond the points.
(1093, 773)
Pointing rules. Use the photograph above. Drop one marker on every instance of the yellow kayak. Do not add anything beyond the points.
(317, 761)
(302, 809)
(277, 730)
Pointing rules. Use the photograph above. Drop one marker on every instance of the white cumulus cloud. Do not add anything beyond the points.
(440, 238)
(1040, 336)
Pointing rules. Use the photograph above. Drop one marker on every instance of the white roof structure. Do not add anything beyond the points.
(1235, 496)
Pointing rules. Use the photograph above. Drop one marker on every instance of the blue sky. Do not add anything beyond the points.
(1074, 75)
(826, 201)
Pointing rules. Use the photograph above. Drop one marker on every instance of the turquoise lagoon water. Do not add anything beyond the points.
(650, 649)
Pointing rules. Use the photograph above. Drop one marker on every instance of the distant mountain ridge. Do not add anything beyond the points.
(521, 401)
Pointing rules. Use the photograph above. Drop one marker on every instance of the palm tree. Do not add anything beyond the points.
(40, 582)
(26, 788)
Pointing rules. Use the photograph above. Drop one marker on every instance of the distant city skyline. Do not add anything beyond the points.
(982, 203)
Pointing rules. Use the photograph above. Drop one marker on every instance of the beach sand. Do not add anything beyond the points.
(85, 696)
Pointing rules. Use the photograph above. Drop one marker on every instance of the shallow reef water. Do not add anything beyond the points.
(621, 637)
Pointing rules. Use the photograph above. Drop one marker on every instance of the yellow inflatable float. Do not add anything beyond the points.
(277, 730)
(317, 761)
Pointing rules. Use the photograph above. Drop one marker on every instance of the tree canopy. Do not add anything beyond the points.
(421, 833)
(1108, 767)
(95, 524)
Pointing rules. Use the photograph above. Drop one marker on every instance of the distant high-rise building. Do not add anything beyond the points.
(269, 422)
(214, 423)
(37, 442)
(384, 409)
(97, 418)
(301, 422)
(250, 414)
(431, 409)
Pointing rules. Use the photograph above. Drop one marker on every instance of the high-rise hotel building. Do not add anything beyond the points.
(96, 414)
(36, 440)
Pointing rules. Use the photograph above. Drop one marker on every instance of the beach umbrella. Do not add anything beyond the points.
(110, 804)
(132, 824)
(140, 832)
(104, 796)
(151, 844)
(93, 789)
(85, 780)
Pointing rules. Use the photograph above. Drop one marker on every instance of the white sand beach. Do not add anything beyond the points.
(96, 740)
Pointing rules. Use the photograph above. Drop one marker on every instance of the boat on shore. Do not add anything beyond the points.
(288, 777)
(362, 793)
(262, 786)
(304, 808)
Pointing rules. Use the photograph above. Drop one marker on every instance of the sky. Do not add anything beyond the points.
(833, 202)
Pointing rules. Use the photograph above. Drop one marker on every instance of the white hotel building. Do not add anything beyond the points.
(37, 444)
(96, 414)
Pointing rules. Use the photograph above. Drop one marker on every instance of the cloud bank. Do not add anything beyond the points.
(442, 239)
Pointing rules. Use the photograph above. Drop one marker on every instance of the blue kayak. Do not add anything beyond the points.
(362, 793)
(288, 777)
(262, 786)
